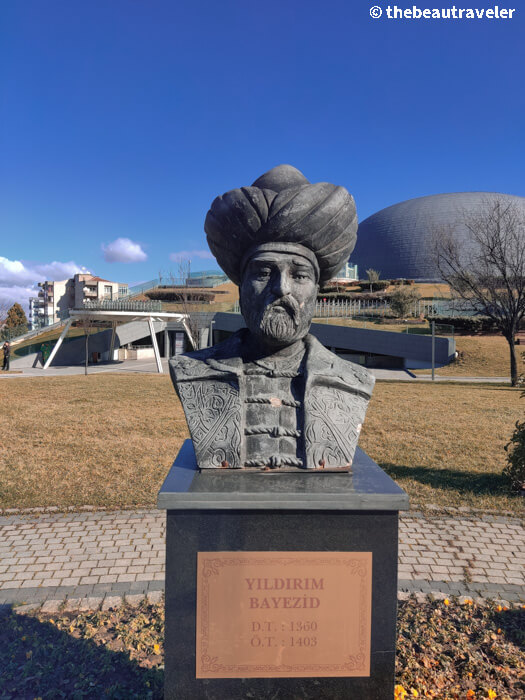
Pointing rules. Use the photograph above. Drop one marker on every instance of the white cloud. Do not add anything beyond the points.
(9, 295)
(19, 278)
(123, 250)
(190, 254)
(16, 272)
(25, 273)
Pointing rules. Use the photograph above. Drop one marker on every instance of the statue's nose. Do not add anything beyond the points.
(281, 284)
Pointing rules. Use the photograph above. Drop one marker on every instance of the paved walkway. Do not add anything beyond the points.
(405, 375)
(83, 556)
(126, 366)
(149, 366)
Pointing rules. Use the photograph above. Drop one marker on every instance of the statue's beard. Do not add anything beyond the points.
(280, 323)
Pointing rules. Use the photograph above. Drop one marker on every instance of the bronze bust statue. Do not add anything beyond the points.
(271, 396)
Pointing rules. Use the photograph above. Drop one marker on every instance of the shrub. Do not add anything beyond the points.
(515, 469)
(339, 287)
(402, 301)
(380, 286)
(180, 295)
(468, 324)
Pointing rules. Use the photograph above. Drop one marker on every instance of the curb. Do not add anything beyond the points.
(90, 604)
(105, 604)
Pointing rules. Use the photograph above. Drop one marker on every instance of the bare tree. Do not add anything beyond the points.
(482, 258)
(86, 323)
(4, 306)
(373, 277)
(188, 305)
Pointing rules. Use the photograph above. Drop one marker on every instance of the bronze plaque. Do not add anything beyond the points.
(283, 614)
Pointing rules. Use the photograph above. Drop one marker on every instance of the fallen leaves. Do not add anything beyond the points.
(115, 654)
(459, 651)
(447, 649)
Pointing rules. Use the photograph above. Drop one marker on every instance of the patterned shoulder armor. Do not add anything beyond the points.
(357, 373)
(185, 367)
(206, 362)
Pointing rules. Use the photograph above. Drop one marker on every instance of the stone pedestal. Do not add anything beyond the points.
(227, 511)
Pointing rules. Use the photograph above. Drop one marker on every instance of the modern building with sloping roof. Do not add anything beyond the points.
(397, 241)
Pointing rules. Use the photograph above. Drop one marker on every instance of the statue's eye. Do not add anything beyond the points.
(264, 272)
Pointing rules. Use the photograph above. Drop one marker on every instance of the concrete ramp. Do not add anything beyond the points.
(404, 350)
(73, 350)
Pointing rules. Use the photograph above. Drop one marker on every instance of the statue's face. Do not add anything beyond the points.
(277, 296)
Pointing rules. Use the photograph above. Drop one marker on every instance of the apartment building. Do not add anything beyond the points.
(36, 316)
(90, 288)
(56, 298)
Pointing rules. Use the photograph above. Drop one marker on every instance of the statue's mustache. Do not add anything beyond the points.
(286, 302)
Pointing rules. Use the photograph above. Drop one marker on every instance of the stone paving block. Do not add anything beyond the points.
(23, 576)
(51, 606)
(90, 603)
(136, 569)
(70, 581)
(130, 545)
(155, 596)
(24, 609)
(111, 602)
(10, 561)
(156, 567)
(134, 599)
(421, 570)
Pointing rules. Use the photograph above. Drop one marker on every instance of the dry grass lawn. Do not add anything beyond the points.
(47, 337)
(101, 440)
(377, 324)
(444, 443)
(480, 356)
(109, 440)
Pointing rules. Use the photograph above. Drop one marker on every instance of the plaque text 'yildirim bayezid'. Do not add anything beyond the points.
(283, 614)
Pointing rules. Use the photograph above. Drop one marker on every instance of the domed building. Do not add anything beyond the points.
(397, 241)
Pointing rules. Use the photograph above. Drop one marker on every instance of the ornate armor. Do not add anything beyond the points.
(302, 412)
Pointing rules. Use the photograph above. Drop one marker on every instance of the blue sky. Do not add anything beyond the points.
(123, 119)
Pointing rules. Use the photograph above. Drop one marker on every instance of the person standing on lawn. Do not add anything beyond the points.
(7, 353)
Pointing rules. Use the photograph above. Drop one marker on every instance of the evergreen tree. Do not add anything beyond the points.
(16, 321)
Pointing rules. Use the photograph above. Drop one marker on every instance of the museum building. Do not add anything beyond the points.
(397, 241)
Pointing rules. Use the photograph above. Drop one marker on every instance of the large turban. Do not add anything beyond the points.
(283, 207)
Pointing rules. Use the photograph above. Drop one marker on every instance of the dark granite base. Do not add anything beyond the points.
(188, 533)
(277, 528)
